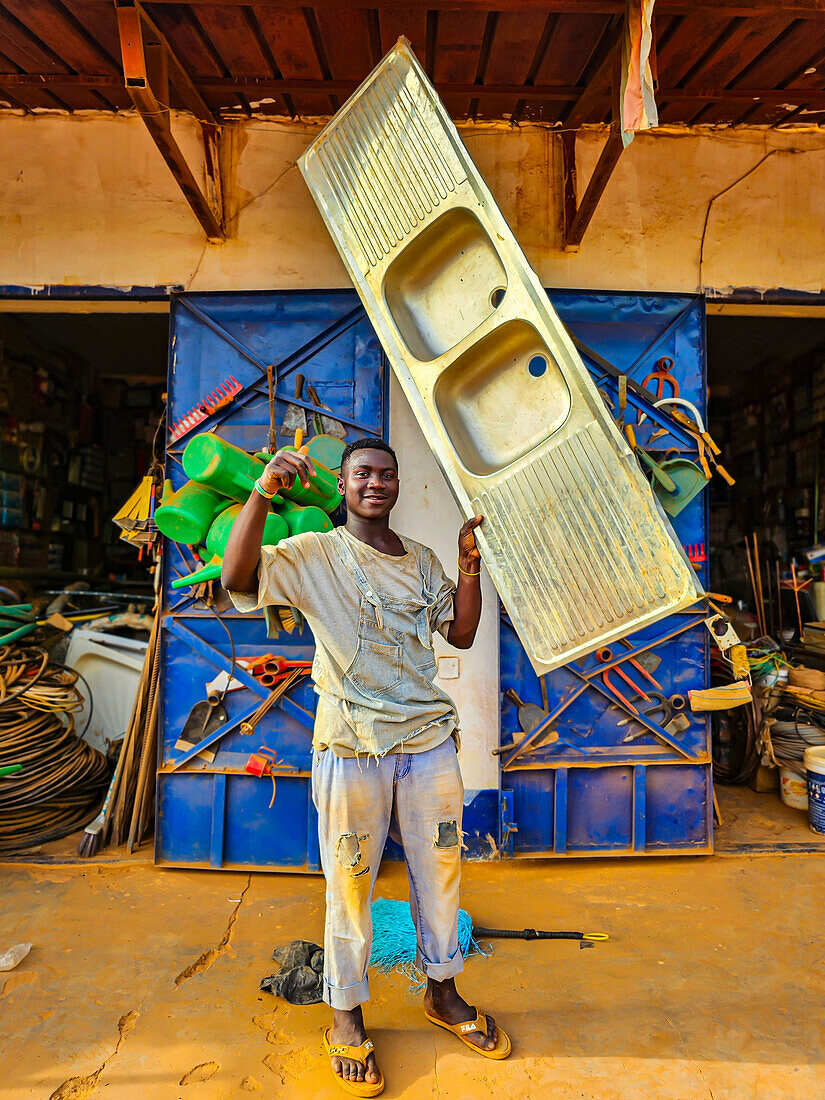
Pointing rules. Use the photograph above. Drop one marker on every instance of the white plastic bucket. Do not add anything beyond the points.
(819, 599)
(815, 767)
(792, 787)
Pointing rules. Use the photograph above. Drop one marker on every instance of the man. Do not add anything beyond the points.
(385, 742)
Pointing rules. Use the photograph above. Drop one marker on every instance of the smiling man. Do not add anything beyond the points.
(386, 736)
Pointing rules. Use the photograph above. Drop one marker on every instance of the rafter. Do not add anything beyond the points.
(149, 65)
(607, 78)
(797, 8)
(559, 93)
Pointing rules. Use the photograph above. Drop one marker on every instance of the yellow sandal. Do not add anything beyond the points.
(357, 1054)
(500, 1050)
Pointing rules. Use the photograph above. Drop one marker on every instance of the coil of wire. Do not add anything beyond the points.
(791, 738)
(62, 779)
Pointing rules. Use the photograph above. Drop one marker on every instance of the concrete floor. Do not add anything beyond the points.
(144, 983)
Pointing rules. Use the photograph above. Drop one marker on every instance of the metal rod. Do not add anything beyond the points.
(758, 567)
(753, 583)
(796, 596)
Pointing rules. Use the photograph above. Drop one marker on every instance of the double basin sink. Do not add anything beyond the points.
(572, 538)
(504, 393)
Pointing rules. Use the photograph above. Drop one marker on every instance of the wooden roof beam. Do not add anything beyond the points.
(149, 64)
(798, 8)
(559, 93)
(606, 79)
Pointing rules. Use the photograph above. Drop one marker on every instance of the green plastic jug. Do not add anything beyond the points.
(187, 514)
(323, 487)
(300, 519)
(275, 529)
(221, 465)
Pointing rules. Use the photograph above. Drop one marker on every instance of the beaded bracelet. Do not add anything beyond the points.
(263, 492)
(466, 574)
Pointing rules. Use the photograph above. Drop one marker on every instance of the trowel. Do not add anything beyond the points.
(529, 716)
(204, 718)
(296, 418)
(325, 424)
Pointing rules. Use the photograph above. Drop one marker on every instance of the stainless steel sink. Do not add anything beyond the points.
(453, 261)
(572, 536)
(509, 369)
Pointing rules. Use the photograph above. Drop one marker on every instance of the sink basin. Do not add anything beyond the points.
(444, 284)
(502, 398)
(572, 535)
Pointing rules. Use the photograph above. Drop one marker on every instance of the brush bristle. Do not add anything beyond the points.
(90, 841)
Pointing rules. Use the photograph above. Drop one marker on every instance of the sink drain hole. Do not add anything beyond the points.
(537, 366)
(497, 297)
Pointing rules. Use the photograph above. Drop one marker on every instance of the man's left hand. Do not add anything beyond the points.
(469, 556)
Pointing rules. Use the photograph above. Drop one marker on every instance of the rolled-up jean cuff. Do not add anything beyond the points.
(348, 996)
(439, 972)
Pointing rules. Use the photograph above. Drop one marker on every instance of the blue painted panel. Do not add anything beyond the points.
(656, 801)
(612, 810)
(216, 814)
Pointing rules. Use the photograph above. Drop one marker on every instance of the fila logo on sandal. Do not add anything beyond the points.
(468, 1027)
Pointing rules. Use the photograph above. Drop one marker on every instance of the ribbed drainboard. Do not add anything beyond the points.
(383, 166)
(568, 534)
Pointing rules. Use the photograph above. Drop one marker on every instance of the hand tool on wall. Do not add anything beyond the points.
(638, 397)
(587, 677)
(662, 375)
(295, 419)
(271, 440)
(696, 426)
(604, 655)
(677, 479)
(291, 678)
(529, 715)
(662, 708)
(688, 480)
(646, 666)
(325, 425)
(659, 473)
(204, 718)
(696, 553)
(221, 396)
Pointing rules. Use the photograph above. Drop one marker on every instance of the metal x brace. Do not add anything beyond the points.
(637, 396)
(587, 680)
(305, 717)
(291, 363)
(638, 716)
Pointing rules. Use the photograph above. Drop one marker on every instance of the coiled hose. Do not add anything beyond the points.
(62, 779)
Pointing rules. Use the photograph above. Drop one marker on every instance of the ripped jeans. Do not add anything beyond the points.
(418, 797)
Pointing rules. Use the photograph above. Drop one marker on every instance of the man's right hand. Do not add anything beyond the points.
(284, 467)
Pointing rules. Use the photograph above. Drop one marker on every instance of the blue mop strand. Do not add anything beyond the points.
(394, 940)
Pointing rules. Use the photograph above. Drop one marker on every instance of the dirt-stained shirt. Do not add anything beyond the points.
(373, 617)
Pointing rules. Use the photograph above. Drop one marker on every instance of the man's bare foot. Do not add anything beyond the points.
(442, 1000)
(348, 1030)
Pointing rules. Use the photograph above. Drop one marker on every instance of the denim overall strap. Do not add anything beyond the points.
(364, 586)
(420, 562)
